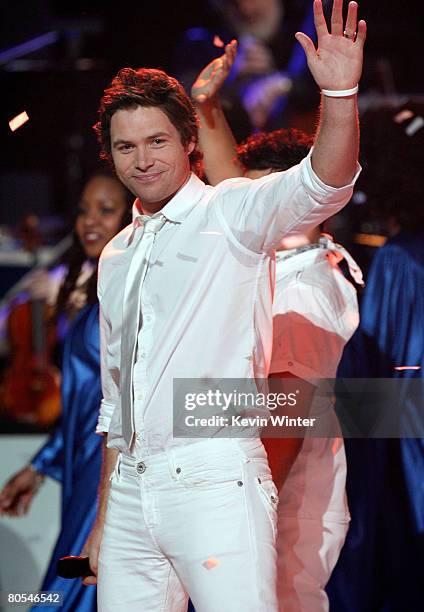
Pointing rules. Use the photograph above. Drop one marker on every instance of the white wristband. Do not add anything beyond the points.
(340, 93)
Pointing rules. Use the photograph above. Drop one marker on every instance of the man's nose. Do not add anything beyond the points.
(144, 159)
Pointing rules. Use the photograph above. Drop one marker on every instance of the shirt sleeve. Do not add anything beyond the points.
(110, 388)
(259, 213)
(308, 335)
(49, 459)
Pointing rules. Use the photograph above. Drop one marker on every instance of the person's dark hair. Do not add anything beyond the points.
(148, 87)
(76, 256)
(278, 150)
(392, 143)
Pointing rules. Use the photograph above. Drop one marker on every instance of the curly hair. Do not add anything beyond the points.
(278, 150)
(392, 144)
(148, 87)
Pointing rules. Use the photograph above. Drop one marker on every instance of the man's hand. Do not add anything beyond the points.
(92, 545)
(211, 78)
(18, 492)
(337, 63)
(91, 549)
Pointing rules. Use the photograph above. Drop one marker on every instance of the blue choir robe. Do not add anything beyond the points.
(381, 567)
(73, 456)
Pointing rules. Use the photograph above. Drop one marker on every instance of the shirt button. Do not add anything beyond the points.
(142, 355)
(148, 317)
(290, 363)
(141, 467)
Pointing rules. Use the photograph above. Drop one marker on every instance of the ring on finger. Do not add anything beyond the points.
(350, 36)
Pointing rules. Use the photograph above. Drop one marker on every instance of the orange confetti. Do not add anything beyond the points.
(18, 121)
(210, 563)
(218, 42)
(403, 116)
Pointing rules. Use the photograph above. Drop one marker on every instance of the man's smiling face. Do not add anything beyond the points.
(148, 155)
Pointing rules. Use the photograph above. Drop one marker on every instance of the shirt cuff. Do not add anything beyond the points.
(103, 425)
(317, 187)
(105, 417)
(37, 465)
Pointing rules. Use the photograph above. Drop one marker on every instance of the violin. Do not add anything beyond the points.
(30, 390)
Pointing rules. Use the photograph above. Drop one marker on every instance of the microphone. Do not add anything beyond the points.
(74, 567)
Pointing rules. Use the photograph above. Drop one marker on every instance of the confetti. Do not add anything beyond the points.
(210, 563)
(403, 116)
(401, 368)
(415, 125)
(218, 42)
(18, 121)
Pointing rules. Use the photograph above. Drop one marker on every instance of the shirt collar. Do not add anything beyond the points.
(182, 202)
(326, 243)
(176, 209)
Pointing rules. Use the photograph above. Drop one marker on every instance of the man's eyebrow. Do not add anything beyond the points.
(120, 141)
(158, 135)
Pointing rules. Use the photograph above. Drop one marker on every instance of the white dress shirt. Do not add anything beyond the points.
(315, 313)
(315, 310)
(206, 298)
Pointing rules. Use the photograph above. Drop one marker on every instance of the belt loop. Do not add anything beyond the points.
(172, 467)
(117, 470)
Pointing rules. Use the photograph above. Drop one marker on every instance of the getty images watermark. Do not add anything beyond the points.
(292, 408)
(242, 408)
(266, 403)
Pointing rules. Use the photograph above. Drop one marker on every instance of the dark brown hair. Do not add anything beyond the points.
(278, 150)
(147, 87)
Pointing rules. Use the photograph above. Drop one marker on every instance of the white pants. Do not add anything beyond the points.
(313, 520)
(308, 550)
(199, 521)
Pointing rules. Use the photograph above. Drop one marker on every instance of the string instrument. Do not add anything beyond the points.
(30, 390)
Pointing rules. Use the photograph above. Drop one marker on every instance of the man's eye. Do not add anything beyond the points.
(159, 141)
(125, 147)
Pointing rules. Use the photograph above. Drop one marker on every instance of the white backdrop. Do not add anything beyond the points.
(26, 543)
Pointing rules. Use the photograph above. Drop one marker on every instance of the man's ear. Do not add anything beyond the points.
(190, 147)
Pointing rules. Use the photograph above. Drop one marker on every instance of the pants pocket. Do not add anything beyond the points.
(213, 472)
(268, 495)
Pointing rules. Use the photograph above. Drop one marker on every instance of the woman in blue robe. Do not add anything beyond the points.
(381, 565)
(73, 453)
(380, 568)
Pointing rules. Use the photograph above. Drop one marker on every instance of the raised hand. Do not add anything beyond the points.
(211, 78)
(337, 62)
